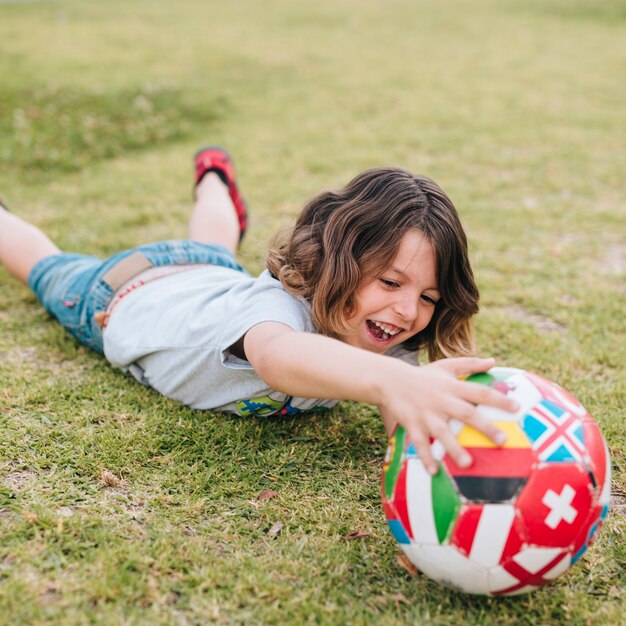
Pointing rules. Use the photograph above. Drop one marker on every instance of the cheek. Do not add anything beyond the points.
(425, 315)
(365, 301)
(353, 313)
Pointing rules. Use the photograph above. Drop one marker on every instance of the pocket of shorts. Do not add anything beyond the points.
(69, 310)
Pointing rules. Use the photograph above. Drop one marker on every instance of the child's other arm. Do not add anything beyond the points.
(422, 399)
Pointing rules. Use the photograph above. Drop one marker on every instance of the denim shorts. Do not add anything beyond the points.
(71, 286)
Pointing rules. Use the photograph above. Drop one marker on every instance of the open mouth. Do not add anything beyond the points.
(381, 331)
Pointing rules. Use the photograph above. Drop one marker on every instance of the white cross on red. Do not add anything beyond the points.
(560, 505)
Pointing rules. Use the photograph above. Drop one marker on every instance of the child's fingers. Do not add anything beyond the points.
(465, 365)
(480, 394)
(442, 432)
(422, 447)
(470, 415)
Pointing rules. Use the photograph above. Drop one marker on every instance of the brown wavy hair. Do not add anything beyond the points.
(343, 237)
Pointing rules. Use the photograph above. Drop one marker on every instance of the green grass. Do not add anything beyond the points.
(63, 129)
(118, 506)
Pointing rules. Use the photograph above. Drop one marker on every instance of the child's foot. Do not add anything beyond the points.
(216, 159)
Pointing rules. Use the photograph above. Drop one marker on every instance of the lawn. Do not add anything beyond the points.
(118, 506)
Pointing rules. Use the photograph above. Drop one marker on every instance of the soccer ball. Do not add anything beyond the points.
(520, 515)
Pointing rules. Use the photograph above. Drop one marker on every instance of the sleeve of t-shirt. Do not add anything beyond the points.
(268, 302)
(402, 353)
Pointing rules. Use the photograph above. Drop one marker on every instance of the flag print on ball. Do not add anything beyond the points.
(521, 514)
(556, 434)
(496, 474)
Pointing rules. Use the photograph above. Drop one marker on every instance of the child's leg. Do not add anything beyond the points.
(214, 219)
(22, 245)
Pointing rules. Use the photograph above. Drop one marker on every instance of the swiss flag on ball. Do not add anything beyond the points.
(555, 504)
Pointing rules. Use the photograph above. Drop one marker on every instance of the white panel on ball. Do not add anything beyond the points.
(500, 579)
(534, 559)
(420, 503)
(559, 568)
(492, 532)
(448, 566)
(525, 393)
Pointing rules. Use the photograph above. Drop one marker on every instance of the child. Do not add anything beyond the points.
(366, 277)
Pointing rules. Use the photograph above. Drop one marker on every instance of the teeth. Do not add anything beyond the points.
(389, 330)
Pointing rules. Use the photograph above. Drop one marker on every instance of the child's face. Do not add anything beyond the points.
(400, 303)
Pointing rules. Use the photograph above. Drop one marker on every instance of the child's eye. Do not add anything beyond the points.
(392, 284)
(429, 300)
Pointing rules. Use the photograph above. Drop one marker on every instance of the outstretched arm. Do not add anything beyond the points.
(421, 399)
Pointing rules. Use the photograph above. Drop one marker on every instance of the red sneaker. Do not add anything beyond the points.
(216, 159)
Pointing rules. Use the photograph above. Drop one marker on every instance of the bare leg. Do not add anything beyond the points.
(214, 219)
(22, 245)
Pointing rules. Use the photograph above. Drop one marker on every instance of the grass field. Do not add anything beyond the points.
(118, 506)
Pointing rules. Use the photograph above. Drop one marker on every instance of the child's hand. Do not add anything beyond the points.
(423, 399)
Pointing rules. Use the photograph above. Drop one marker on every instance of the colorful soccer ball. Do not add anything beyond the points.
(520, 515)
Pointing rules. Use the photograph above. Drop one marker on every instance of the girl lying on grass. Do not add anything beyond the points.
(367, 276)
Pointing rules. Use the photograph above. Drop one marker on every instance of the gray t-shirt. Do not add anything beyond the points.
(174, 334)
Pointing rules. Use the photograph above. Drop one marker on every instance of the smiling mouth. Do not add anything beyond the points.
(381, 331)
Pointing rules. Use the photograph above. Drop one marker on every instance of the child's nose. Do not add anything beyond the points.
(407, 308)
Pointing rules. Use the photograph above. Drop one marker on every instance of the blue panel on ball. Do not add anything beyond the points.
(579, 434)
(560, 454)
(533, 427)
(397, 530)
